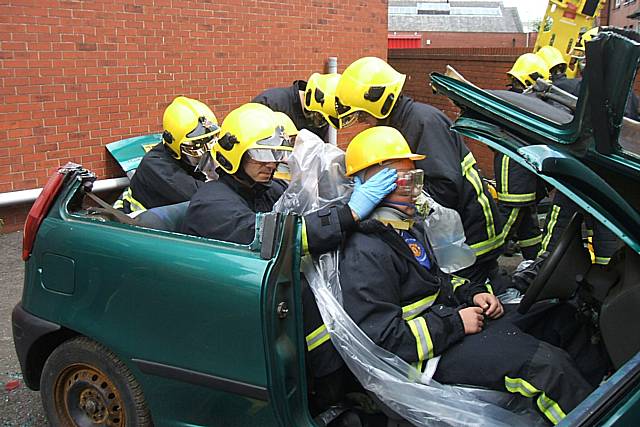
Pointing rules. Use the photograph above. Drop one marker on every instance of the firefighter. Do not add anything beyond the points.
(251, 145)
(519, 190)
(557, 70)
(394, 291)
(169, 173)
(309, 104)
(226, 210)
(370, 91)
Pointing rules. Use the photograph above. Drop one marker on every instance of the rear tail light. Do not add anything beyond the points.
(39, 211)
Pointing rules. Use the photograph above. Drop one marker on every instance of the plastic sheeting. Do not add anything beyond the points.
(318, 180)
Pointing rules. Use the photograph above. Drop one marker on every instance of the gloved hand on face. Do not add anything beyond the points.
(367, 196)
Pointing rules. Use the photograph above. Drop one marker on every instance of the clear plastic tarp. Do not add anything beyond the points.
(318, 180)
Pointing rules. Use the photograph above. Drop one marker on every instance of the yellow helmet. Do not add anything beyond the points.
(527, 68)
(376, 145)
(320, 96)
(368, 84)
(285, 121)
(189, 127)
(587, 36)
(551, 56)
(253, 129)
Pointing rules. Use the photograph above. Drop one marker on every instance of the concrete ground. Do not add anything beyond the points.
(20, 406)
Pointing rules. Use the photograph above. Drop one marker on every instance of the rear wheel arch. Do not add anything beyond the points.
(40, 351)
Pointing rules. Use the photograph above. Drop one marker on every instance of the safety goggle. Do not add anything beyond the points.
(410, 183)
(269, 155)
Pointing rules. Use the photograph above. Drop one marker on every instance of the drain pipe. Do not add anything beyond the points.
(332, 67)
(22, 197)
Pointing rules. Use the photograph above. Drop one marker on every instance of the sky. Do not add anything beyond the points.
(529, 10)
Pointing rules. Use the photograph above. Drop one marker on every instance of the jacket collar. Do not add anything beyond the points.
(247, 192)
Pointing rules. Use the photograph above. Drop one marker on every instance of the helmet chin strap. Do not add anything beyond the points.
(411, 205)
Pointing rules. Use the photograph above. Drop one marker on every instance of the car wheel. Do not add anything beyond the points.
(85, 384)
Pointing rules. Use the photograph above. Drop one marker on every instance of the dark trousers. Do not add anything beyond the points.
(605, 242)
(507, 358)
(522, 226)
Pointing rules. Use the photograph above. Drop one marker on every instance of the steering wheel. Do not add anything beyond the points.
(573, 260)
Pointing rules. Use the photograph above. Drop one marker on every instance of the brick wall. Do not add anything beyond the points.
(77, 75)
(431, 39)
(485, 67)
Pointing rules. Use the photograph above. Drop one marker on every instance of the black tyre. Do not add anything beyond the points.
(84, 384)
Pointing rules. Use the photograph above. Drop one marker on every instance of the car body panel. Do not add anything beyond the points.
(184, 313)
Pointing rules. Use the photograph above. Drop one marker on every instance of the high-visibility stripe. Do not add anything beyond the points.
(457, 281)
(481, 248)
(517, 198)
(424, 344)
(550, 225)
(530, 242)
(412, 310)
(119, 204)
(135, 205)
(513, 216)
(317, 338)
(549, 407)
(504, 176)
(489, 288)
(602, 260)
(305, 242)
(472, 176)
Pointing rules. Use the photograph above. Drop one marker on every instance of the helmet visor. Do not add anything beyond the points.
(273, 149)
(351, 119)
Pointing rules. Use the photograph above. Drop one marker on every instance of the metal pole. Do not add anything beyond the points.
(22, 197)
(332, 67)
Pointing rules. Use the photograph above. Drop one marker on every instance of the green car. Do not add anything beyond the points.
(125, 325)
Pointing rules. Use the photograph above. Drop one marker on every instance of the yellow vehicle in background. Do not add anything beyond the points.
(563, 23)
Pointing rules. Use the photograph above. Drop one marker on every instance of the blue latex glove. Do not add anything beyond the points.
(367, 196)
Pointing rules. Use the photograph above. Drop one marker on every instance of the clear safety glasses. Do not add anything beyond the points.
(409, 183)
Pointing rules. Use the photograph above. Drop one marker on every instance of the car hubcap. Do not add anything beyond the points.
(86, 397)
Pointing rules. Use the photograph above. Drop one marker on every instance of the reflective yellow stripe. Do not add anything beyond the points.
(305, 242)
(549, 407)
(412, 310)
(119, 204)
(317, 338)
(602, 260)
(489, 288)
(530, 242)
(505, 176)
(135, 205)
(457, 281)
(472, 176)
(550, 225)
(424, 344)
(517, 198)
(481, 248)
(513, 216)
